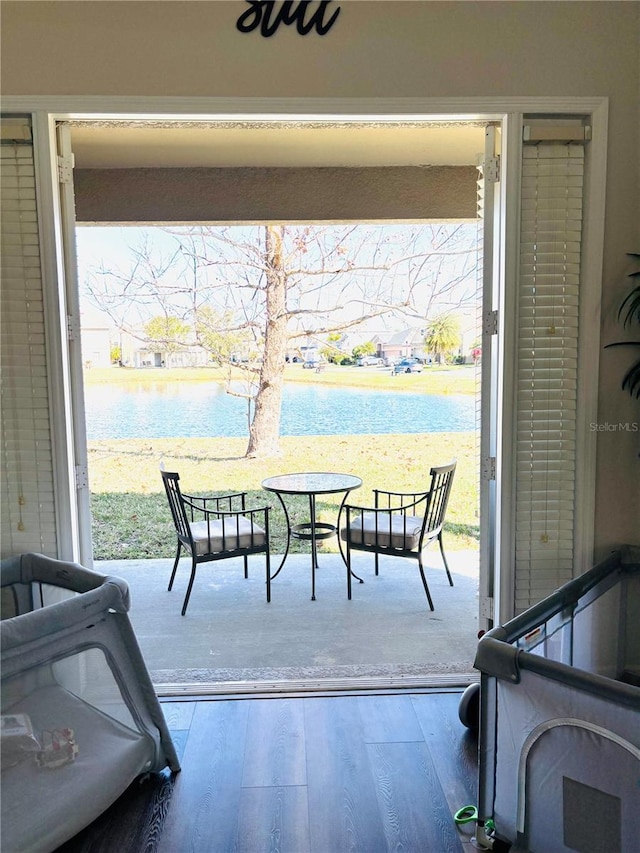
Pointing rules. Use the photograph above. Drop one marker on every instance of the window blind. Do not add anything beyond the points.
(27, 490)
(548, 298)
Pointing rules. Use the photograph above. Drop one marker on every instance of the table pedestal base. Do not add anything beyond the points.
(311, 531)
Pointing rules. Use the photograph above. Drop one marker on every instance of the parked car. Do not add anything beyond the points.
(312, 364)
(369, 361)
(408, 365)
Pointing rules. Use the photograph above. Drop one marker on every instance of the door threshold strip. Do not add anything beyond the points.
(323, 685)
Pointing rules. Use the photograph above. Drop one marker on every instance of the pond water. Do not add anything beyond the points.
(190, 410)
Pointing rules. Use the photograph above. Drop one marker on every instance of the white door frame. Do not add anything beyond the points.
(47, 110)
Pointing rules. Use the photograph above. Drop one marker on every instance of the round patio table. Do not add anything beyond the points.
(311, 484)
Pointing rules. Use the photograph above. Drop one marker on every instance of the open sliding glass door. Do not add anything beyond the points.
(74, 379)
(489, 212)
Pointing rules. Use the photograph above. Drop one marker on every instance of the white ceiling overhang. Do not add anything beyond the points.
(137, 144)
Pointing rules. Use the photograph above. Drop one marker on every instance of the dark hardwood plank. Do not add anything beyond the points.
(179, 739)
(132, 824)
(275, 752)
(453, 748)
(384, 773)
(178, 714)
(203, 811)
(388, 719)
(273, 820)
(343, 810)
(151, 822)
(412, 804)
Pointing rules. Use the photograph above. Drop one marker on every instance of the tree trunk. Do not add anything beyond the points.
(264, 432)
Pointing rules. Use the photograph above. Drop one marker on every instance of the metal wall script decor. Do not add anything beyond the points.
(263, 14)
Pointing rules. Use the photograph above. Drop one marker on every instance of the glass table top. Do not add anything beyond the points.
(314, 482)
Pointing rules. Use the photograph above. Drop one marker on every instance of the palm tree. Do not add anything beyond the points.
(442, 335)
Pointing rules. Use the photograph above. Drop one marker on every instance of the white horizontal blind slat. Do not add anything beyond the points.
(548, 307)
(28, 516)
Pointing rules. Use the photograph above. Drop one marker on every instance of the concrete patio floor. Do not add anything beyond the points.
(231, 634)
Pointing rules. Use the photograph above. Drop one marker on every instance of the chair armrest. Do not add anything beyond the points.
(227, 513)
(214, 497)
(216, 504)
(413, 495)
(203, 502)
(358, 508)
(407, 500)
(247, 511)
(400, 508)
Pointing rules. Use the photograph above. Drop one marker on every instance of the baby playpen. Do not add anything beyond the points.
(559, 759)
(80, 717)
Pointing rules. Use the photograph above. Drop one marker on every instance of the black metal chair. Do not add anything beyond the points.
(400, 524)
(216, 528)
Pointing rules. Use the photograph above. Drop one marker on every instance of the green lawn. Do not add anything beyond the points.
(131, 516)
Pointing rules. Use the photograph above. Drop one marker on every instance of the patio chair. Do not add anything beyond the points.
(216, 528)
(400, 524)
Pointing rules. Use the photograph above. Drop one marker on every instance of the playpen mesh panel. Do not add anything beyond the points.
(598, 644)
(80, 685)
(631, 633)
(88, 676)
(64, 726)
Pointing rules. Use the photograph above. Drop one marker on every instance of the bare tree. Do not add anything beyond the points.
(250, 293)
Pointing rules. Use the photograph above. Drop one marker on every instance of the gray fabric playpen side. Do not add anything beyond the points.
(80, 717)
(559, 756)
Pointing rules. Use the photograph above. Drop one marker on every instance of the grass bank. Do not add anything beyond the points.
(131, 517)
(450, 379)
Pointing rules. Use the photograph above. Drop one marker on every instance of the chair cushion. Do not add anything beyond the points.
(403, 532)
(239, 533)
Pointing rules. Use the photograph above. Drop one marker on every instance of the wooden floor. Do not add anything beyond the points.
(302, 775)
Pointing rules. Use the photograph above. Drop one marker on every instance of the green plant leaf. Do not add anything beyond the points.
(631, 381)
(631, 304)
(629, 312)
